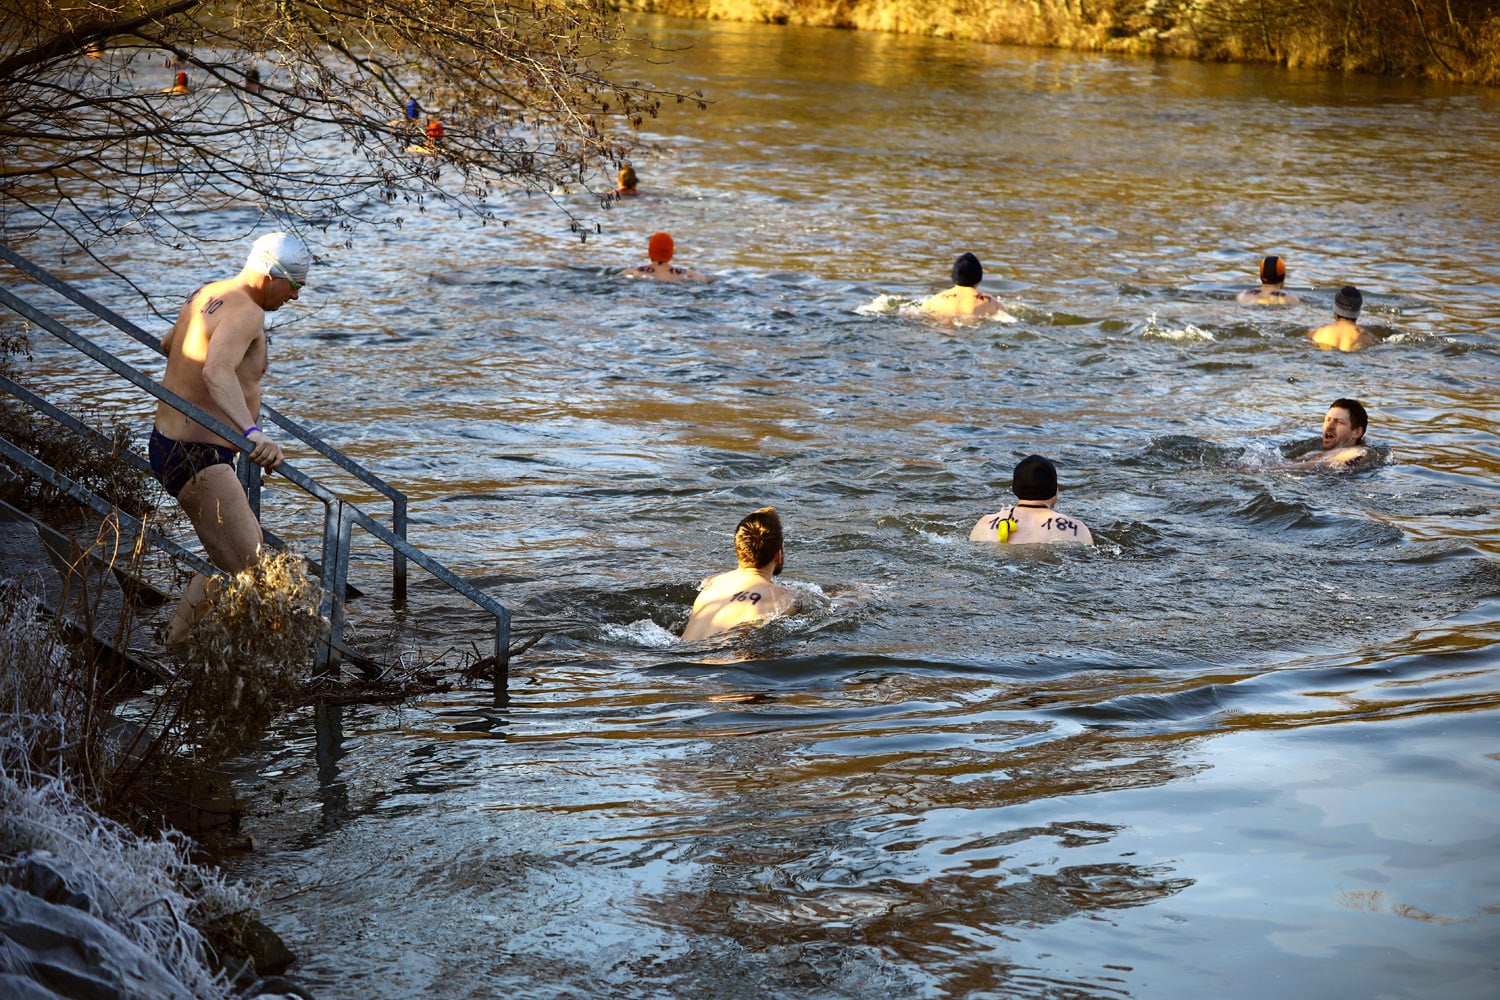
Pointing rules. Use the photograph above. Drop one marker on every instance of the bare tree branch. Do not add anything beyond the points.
(96, 142)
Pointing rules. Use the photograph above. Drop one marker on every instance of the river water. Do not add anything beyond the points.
(1249, 744)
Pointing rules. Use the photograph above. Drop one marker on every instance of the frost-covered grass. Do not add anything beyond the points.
(146, 888)
(61, 769)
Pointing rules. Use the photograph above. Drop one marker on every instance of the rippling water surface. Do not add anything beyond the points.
(1246, 746)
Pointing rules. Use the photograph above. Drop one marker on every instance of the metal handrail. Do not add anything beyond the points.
(303, 434)
(102, 440)
(340, 514)
(102, 507)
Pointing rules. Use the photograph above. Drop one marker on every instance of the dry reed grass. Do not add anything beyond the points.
(250, 656)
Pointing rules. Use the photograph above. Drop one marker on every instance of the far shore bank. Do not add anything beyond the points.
(1454, 40)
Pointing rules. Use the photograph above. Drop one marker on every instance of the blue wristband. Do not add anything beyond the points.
(252, 429)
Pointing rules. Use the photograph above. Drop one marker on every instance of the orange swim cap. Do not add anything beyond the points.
(1272, 269)
(660, 248)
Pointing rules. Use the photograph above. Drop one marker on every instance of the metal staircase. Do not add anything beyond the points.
(341, 515)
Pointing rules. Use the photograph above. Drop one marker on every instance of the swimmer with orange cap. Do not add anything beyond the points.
(660, 250)
(179, 84)
(965, 298)
(1270, 293)
(1344, 333)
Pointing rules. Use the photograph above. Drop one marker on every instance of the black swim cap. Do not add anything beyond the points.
(1348, 302)
(966, 271)
(1272, 270)
(1035, 478)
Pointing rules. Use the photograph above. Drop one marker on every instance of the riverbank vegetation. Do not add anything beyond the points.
(1455, 40)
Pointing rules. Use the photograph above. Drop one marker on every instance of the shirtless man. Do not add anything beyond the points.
(660, 249)
(1344, 333)
(1272, 277)
(1343, 436)
(216, 356)
(1031, 518)
(746, 594)
(965, 298)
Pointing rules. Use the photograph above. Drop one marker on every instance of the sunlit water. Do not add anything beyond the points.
(1247, 746)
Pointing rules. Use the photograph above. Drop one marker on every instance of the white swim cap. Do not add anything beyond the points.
(280, 255)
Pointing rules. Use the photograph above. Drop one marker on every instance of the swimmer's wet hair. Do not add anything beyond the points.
(1348, 302)
(1035, 478)
(1272, 270)
(967, 271)
(1356, 410)
(757, 539)
(627, 176)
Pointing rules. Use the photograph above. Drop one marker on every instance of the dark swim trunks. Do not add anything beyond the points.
(175, 462)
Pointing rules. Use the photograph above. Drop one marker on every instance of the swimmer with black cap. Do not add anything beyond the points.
(965, 298)
(1270, 293)
(1344, 333)
(660, 248)
(1031, 519)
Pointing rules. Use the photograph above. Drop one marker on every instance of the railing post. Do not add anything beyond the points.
(338, 526)
(502, 661)
(398, 558)
(250, 479)
(328, 724)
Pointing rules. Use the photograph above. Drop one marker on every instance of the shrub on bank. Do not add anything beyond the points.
(1456, 40)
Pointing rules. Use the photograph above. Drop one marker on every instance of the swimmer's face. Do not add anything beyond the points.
(281, 291)
(1338, 432)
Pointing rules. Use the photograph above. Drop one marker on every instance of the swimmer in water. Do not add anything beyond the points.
(747, 594)
(627, 181)
(179, 84)
(1272, 277)
(1344, 333)
(965, 298)
(660, 249)
(1344, 429)
(1031, 519)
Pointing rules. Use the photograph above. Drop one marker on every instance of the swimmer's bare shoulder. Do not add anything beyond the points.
(943, 303)
(1339, 458)
(1262, 297)
(1341, 337)
(735, 598)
